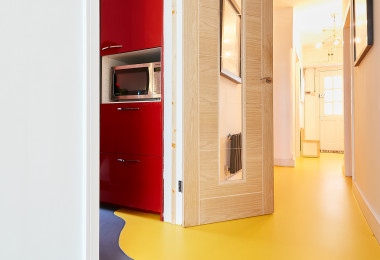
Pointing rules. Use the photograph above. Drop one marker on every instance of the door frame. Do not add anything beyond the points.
(297, 90)
(91, 125)
(321, 90)
(91, 121)
(348, 72)
(316, 109)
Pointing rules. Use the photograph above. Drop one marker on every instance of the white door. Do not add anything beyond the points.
(331, 110)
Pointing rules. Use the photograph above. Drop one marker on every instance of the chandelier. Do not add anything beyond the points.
(331, 41)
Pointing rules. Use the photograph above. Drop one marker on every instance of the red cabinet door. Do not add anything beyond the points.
(131, 181)
(131, 128)
(129, 25)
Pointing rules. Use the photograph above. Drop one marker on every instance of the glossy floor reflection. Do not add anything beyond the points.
(316, 217)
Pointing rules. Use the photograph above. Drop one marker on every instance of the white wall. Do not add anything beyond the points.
(345, 7)
(42, 130)
(366, 98)
(311, 104)
(313, 57)
(283, 87)
(230, 118)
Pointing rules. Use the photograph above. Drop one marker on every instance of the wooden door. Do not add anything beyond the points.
(331, 110)
(206, 198)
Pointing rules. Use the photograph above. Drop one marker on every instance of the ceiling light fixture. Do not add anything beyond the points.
(333, 40)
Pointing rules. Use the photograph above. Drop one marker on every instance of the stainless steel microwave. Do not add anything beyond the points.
(137, 82)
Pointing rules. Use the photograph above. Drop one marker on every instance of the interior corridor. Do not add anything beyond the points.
(316, 217)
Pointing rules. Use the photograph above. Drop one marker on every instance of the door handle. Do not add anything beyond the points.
(127, 108)
(268, 79)
(112, 47)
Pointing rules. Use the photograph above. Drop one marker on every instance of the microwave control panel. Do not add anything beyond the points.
(157, 79)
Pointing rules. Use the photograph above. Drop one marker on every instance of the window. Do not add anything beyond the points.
(333, 87)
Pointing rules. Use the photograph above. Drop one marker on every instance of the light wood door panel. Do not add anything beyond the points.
(206, 198)
(191, 114)
(231, 207)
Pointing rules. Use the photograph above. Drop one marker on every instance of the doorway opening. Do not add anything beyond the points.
(319, 79)
(312, 80)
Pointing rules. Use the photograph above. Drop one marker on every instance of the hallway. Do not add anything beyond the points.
(316, 217)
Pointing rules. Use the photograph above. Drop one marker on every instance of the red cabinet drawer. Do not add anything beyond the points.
(131, 181)
(132, 24)
(131, 128)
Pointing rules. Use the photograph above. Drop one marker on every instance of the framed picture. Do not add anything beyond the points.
(230, 50)
(363, 29)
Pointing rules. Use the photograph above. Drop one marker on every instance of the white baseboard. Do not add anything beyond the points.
(285, 162)
(372, 220)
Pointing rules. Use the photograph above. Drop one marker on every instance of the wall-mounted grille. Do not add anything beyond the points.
(235, 153)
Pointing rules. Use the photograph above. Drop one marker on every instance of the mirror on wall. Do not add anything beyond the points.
(230, 93)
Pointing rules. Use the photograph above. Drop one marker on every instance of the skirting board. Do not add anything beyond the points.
(285, 162)
(372, 221)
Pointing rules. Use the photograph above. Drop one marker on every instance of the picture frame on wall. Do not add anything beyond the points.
(230, 45)
(363, 29)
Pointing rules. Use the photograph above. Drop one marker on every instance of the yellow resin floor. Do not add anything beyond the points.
(316, 217)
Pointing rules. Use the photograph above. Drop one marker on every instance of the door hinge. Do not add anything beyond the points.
(180, 186)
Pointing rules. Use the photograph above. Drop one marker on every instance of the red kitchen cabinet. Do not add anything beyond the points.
(132, 181)
(131, 128)
(129, 25)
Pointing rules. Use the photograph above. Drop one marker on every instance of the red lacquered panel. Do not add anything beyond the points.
(131, 128)
(131, 181)
(134, 24)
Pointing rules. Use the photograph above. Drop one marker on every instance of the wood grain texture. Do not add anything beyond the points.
(191, 114)
(211, 187)
(253, 7)
(254, 126)
(207, 199)
(254, 163)
(268, 153)
(253, 91)
(209, 78)
(253, 38)
(209, 31)
(233, 207)
(208, 126)
(210, 4)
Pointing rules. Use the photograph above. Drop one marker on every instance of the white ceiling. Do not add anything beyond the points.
(311, 17)
(293, 3)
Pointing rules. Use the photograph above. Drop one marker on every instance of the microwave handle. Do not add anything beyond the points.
(111, 47)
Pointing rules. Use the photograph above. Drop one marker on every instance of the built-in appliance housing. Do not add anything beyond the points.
(131, 130)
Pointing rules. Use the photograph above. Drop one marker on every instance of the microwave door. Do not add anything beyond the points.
(132, 83)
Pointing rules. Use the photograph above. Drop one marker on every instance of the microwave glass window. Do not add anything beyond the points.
(131, 82)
